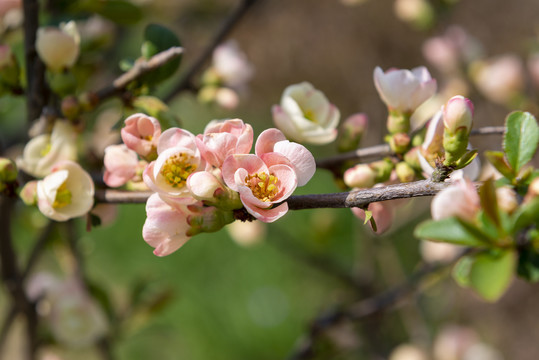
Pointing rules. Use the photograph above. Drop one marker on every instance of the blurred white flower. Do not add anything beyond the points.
(499, 79)
(306, 115)
(247, 233)
(232, 65)
(58, 48)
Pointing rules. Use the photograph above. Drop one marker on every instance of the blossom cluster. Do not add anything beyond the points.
(199, 181)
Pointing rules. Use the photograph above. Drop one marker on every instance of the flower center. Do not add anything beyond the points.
(63, 197)
(177, 169)
(45, 150)
(263, 186)
(310, 115)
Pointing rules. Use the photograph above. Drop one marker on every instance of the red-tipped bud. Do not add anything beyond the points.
(458, 114)
(351, 131)
(360, 176)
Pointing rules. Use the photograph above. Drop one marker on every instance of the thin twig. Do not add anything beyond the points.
(358, 198)
(140, 68)
(227, 27)
(36, 90)
(368, 307)
(380, 151)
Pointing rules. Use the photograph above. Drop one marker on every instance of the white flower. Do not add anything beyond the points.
(404, 90)
(306, 115)
(66, 193)
(43, 151)
(232, 65)
(58, 47)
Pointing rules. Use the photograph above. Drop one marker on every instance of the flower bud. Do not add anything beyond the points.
(88, 101)
(28, 193)
(459, 199)
(8, 170)
(351, 131)
(207, 219)
(412, 158)
(507, 199)
(207, 94)
(405, 172)
(227, 98)
(408, 352)
(204, 186)
(247, 233)
(458, 114)
(58, 48)
(70, 107)
(533, 190)
(360, 176)
(399, 143)
(383, 169)
(499, 79)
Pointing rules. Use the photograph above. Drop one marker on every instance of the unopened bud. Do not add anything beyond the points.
(207, 94)
(383, 169)
(458, 114)
(58, 47)
(88, 101)
(351, 131)
(211, 77)
(227, 98)
(360, 176)
(399, 143)
(207, 219)
(28, 193)
(412, 158)
(405, 172)
(205, 186)
(507, 199)
(8, 170)
(70, 107)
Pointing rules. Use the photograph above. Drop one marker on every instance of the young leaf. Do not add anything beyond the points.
(489, 203)
(491, 273)
(461, 271)
(526, 215)
(521, 138)
(497, 159)
(451, 230)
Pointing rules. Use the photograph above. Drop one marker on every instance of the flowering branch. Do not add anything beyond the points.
(368, 307)
(382, 150)
(140, 68)
(229, 24)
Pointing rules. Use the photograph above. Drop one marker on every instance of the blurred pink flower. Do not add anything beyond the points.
(66, 193)
(404, 90)
(459, 199)
(224, 138)
(120, 165)
(141, 134)
(232, 65)
(500, 79)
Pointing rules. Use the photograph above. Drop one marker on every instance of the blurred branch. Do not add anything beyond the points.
(379, 151)
(357, 198)
(368, 307)
(36, 89)
(230, 23)
(140, 68)
(12, 278)
(34, 254)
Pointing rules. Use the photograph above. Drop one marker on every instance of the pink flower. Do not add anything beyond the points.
(500, 79)
(270, 176)
(459, 199)
(224, 138)
(232, 65)
(141, 133)
(178, 157)
(404, 90)
(66, 193)
(120, 165)
(166, 226)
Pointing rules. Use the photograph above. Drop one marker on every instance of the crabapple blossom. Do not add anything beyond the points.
(404, 90)
(43, 151)
(67, 192)
(120, 165)
(178, 157)
(224, 138)
(500, 79)
(459, 199)
(141, 134)
(306, 115)
(166, 227)
(58, 47)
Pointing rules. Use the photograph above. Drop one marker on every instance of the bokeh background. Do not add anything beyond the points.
(218, 298)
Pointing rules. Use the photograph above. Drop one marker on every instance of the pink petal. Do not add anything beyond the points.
(175, 137)
(267, 215)
(251, 163)
(302, 160)
(267, 139)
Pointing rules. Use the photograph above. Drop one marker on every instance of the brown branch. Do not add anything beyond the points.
(368, 307)
(230, 23)
(379, 151)
(36, 89)
(12, 278)
(140, 68)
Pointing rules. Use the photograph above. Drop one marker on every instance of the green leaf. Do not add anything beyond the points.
(491, 273)
(521, 138)
(526, 215)
(461, 271)
(158, 38)
(121, 12)
(368, 216)
(498, 160)
(466, 159)
(451, 230)
(489, 203)
(528, 264)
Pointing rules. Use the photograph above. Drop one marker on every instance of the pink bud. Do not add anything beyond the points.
(141, 134)
(458, 114)
(351, 131)
(227, 98)
(58, 47)
(28, 193)
(459, 199)
(360, 176)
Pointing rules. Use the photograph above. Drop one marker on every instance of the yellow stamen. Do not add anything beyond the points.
(264, 187)
(45, 150)
(63, 197)
(177, 169)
